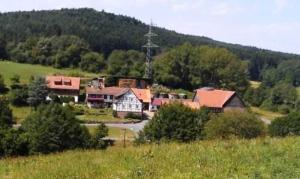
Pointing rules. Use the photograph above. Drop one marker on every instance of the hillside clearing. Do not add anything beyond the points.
(255, 84)
(260, 158)
(9, 69)
(266, 114)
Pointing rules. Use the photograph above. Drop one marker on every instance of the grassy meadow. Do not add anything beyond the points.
(298, 89)
(260, 158)
(8, 69)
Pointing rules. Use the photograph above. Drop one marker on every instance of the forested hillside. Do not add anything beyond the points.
(90, 30)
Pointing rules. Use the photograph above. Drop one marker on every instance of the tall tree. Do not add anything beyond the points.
(54, 128)
(37, 92)
(190, 67)
(6, 117)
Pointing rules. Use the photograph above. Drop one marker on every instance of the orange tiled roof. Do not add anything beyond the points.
(212, 98)
(63, 82)
(142, 94)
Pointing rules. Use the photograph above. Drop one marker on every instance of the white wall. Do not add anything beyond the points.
(128, 103)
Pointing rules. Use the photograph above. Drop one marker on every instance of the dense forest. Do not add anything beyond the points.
(75, 37)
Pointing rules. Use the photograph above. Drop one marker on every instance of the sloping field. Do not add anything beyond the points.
(261, 158)
(9, 69)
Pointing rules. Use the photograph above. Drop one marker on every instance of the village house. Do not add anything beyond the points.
(63, 86)
(215, 100)
(102, 97)
(218, 100)
(132, 101)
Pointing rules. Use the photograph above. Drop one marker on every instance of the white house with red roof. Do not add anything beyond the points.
(64, 86)
(132, 101)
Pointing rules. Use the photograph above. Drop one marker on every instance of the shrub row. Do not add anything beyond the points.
(180, 123)
(51, 128)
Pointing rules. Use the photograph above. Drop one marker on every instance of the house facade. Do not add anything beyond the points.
(63, 86)
(128, 103)
(102, 97)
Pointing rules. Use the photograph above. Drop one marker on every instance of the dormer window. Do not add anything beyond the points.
(58, 82)
(67, 82)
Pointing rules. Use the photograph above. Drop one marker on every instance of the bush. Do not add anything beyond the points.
(13, 143)
(288, 125)
(132, 115)
(66, 99)
(54, 128)
(234, 124)
(18, 96)
(101, 132)
(6, 117)
(115, 114)
(175, 122)
(3, 88)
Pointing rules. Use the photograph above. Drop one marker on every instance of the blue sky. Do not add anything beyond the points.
(269, 24)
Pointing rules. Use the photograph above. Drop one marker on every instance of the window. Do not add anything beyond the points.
(105, 96)
(111, 97)
(129, 105)
(136, 106)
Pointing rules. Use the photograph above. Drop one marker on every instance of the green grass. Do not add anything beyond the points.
(266, 114)
(298, 89)
(260, 158)
(9, 69)
(97, 115)
(115, 132)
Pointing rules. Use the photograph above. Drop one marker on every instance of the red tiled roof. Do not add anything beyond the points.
(115, 91)
(63, 82)
(157, 102)
(213, 98)
(142, 94)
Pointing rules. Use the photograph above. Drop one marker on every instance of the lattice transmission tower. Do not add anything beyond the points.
(149, 46)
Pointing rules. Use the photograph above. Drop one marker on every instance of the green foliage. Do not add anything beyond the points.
(19, 95)
(2, 85)
(286, 72)
(37, 92)
(256, 96)
(92, 62)
(54, 128)
(126, 63)
(190, 67)
(15, 81)
(100, 133)
(175, 122)
(13, 143)
(104, 32)
(282, 97)
(287, 125)
(234, 124)
(132, 115)
(6, 117)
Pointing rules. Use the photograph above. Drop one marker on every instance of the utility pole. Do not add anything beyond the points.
(124, 138)
(149, 46)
